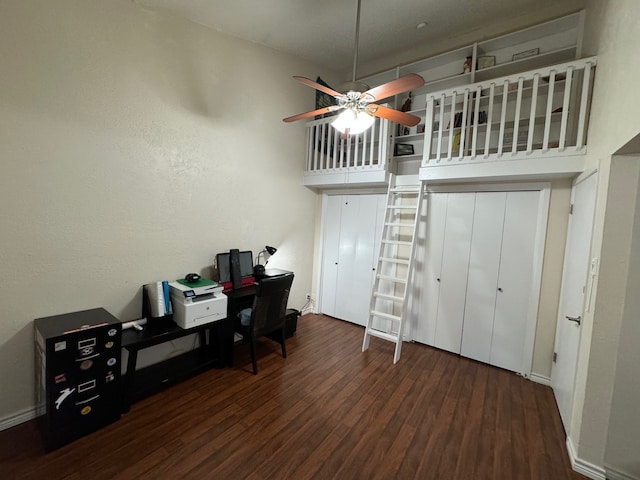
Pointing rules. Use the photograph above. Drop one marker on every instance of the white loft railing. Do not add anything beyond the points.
(530, 114)
(330, 152)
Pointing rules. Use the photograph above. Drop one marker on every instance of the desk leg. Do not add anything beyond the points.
(128, 379)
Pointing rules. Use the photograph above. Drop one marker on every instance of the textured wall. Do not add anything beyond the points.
(612, 31)
(135, 146)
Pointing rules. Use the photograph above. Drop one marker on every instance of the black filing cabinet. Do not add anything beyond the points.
(77, 373)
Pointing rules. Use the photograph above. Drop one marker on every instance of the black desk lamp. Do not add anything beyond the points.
(259, 269)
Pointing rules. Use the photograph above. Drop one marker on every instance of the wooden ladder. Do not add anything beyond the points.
(387, 309)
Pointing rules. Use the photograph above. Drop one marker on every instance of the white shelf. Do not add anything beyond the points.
(530, 63)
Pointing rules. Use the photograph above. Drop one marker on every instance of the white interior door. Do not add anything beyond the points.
(515, 278)
(574, 284)
(330, 251)
(482, 282)
(455, 265)
(426, 288)
(351, 265)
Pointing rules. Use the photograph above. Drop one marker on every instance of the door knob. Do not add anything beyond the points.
(577, 319)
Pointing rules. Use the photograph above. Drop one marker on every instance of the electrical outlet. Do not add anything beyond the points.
(308, 296)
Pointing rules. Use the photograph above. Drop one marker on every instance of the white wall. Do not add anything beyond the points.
(612, 31)
(623, 438)
(134, 147)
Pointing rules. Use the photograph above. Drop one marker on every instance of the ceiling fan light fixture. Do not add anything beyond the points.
(353, 121)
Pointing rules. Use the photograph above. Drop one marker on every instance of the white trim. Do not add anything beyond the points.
(534, 377)
(536, 277)
(487, 187)
(319, 259)
(18, 418)
(613, 474)
(583, 176)
(581, 466)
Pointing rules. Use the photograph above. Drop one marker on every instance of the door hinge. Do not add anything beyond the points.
(555, 357)
(571, 209)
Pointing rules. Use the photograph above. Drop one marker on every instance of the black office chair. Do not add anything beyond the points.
(267, 316)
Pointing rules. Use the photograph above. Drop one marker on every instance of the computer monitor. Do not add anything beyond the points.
(224, 266)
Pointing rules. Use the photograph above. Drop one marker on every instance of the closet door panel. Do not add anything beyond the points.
(482, 283)
(515, 280)
(453, 278)
(428, 266)
(356, 257)
(330, 250)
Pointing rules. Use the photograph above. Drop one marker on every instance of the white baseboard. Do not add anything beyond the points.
(18, 418)
(534, 377)
(613, 474)
(585, 468)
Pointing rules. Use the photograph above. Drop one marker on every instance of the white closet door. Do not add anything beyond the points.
(455, 265)
(330, 250)
(427, 269)
(515, 280)
(482, 284)
(356, 257)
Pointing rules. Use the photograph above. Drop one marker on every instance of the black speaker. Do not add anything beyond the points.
(234, 261)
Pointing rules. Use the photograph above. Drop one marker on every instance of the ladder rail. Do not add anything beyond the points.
(394, 227)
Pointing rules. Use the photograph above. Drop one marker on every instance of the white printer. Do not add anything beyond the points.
(197, 302)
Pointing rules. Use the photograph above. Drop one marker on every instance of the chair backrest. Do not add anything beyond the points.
(270, 304)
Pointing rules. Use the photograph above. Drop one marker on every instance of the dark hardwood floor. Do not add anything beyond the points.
(328, 411)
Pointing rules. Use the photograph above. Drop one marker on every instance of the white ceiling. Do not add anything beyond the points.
(323, 31)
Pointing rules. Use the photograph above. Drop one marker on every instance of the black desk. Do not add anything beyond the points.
(237, 300)
(148, 380)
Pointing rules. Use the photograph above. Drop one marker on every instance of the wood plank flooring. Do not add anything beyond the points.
(327, 411)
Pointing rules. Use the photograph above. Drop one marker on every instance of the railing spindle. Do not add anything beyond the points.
(505, 93)
(565, 109)
(586, 84)
(516, 117)
(532, 114)
(309, 148)
(487, 138)
(452, 122)
(463, 124)
(476, 118)
(547, 117)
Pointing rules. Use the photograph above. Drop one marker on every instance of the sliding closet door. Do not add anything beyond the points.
(357, 256)
(484, 264)
(455, 265)
(331, 250)
(351, 237)
(515, 296)
(427, 269)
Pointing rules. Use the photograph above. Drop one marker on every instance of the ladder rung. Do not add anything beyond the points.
(387, 316)
(398, 224)
(393, 279)
(400, 261)
(396, 242)
(384, 335)
(386, 296)
(409, 189)
(402, 207)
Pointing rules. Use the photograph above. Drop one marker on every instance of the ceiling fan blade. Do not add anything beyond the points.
(394, 87)
(317, 86)
(394, 115)
(313, 113)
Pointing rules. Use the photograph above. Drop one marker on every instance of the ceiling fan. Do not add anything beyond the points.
(357, 101)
